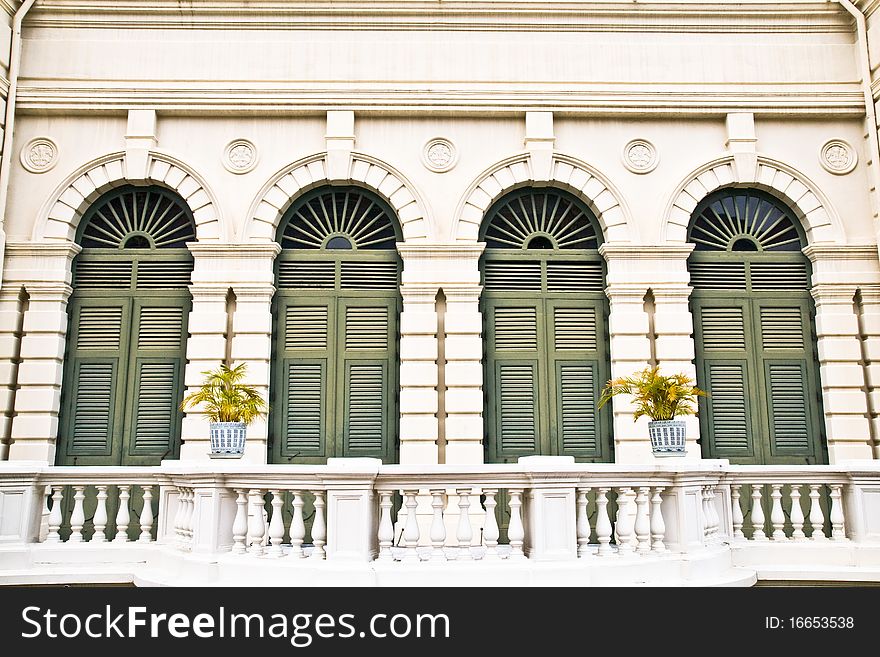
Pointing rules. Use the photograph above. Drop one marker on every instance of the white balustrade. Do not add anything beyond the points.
(838, 531)
(146, 519)
(78, 517)
(757, 514)
(240, 524)
(817, 520)
(55, 517)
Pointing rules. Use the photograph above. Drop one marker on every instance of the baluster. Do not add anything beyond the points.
(123, 517)
(643, 521)
(178, 517)
(515, 531)
(276, 525)
(797, 514)
(100, 515)
(186, 495)
(146, 519)
(838, 530)
(736, 509)
(714, 519)
(583, 523)
(704, 508)
(438, 527)
(55, 517)
(190, 515)
(44, 515)
(490, 528)
(411, 529)
(319, 527)
(624, 526)
(658, 527)
(603, 522)
(817, 519)
(757, 514)
(297, 527)
(777, 517)
(240, 524)
(464, 534)
(255, 522)
(77, 518)
(386, 527)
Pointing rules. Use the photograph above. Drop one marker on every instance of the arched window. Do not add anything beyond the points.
(335, 366)
(126, 341)
(754, 331)
(545, 313)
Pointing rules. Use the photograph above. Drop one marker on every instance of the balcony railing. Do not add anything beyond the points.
(358, 510)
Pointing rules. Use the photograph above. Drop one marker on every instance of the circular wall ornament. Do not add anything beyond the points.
(439, 155)
(39, 155)
(838, 157)
(640, 156)
(240, 156)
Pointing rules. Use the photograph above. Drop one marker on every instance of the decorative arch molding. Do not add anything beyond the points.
(567, 173)
(821, 223)
(60, 216)
(292, 181)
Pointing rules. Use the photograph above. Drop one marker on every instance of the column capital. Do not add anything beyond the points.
(49, 291)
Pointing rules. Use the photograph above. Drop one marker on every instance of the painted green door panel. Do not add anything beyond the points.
(756, 358)
(123, 378)
(336, 375)
(546, 360)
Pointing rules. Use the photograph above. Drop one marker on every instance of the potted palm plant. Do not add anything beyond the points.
(230, 405)
(662, 398)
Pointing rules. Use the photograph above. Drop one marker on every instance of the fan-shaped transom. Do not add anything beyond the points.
(540, 219)
(339, 218)
(133, 217)
(744, 220)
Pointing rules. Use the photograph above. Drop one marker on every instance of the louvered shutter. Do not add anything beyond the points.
(156, 373)
(515, 338)
(304, 340)
(723, 337)
(368, 344)
(94, 373)
(791, 393)
(577, 363)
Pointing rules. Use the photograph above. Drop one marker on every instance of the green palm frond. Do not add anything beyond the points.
(655, 395)
(225, 398)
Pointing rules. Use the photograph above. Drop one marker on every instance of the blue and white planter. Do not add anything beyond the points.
(227, 439)
(667, 437)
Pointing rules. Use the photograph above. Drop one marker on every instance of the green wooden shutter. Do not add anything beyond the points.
(367, 342)
(786, 349)
(576, 358)
(514, 342)
(304, 340)
(158, 355)
(95, 371)
(723, 336)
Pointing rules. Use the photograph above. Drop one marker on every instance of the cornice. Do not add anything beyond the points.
(839, 252)
(844, 99)
(454, 15)
(10, 7)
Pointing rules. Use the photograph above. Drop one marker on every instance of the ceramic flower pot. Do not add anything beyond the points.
(667, 437)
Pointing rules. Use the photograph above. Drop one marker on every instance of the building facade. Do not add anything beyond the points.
(434, 231)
